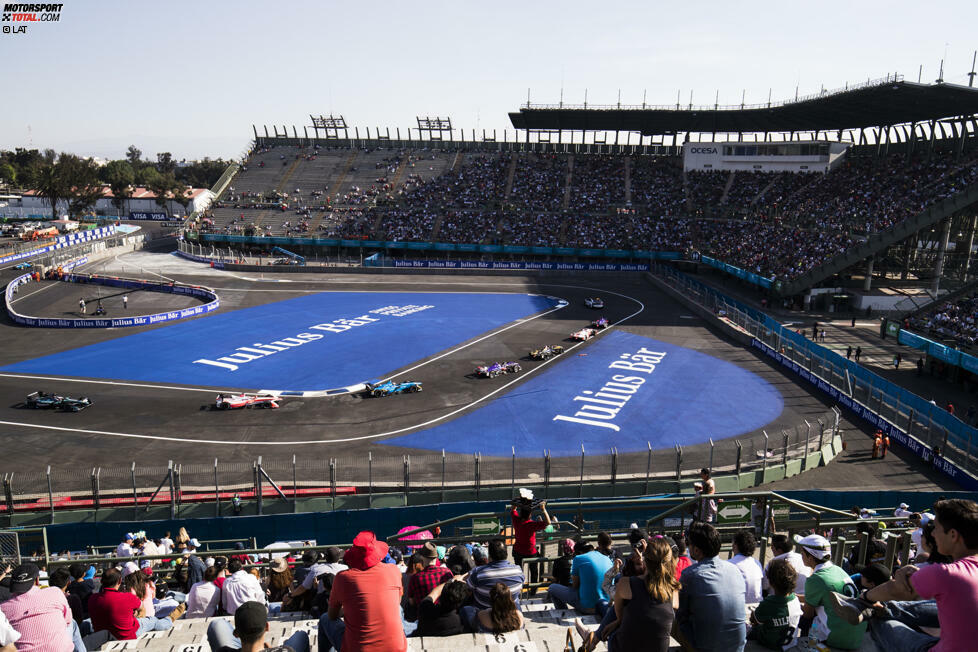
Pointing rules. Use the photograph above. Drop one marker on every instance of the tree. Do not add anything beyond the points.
(120, 177)
(165, 163)
(81, 184)
(161, 186)
(147, 176)
(180, 196)
(134, 155)
(47, 183)
(8, 174)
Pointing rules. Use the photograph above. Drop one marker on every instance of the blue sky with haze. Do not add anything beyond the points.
(192, 77)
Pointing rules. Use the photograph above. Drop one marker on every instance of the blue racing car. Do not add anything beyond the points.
(390, 387)
(24, 265)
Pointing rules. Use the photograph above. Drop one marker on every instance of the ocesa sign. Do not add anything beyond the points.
(703, 150)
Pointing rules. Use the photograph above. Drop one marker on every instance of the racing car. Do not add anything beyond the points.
(596, 302)
(547, 352)
(42, 401)
(584, 334)
(24, 265)
(237, 401)
(600, 322)
(390, 387)
(497, 369)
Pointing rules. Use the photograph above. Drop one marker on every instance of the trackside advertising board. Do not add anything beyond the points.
(499, 264)
(873, 419)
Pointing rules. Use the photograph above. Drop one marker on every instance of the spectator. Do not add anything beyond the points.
(309, 557)
(683, 560)
(248, 635)
(938, 595)
(774, 624)
(180, 543)
(279, 580)
(239, 588)
(826, 578)
(41, 616)
(368, 597)
(423, 581)
(8, 635)
(438, 612)
(561, 569)
(60, 579)
(707, 508)
(121, 612)
(782, 549)
(330, 565)
(195, 565)
(82, 584)
(503, 615)
(125, 549)
(587, 573)
(205, 596)
(482, 579)
(711, 601)
(525, 529)
(744, 545)
(604, 547)
(459, 560)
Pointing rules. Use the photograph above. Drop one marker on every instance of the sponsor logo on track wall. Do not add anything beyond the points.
(480, 264)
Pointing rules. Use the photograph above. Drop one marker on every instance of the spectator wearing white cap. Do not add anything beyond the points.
(826, 578)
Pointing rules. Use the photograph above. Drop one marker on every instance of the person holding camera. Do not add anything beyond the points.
(525, 528)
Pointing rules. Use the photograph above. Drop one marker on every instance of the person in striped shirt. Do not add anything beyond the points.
(482, 579)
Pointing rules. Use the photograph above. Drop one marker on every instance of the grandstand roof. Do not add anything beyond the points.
(874, 104)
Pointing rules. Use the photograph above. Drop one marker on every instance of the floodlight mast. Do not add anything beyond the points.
(434, 127)
(331, 126)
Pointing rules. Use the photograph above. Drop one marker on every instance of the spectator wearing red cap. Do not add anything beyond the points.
(368, 597)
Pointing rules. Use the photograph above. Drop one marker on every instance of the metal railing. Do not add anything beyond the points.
(943, 438)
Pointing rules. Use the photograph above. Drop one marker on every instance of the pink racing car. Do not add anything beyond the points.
(237, 401)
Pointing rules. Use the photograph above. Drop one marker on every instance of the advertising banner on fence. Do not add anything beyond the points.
(873, 419)
(498, 264)
(153, 217)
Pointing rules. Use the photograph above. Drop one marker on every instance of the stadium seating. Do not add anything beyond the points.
(774, 224)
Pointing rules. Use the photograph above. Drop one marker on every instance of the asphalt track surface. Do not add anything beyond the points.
(152, 422)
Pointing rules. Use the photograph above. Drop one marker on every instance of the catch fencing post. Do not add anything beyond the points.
(96, 494)
(546, 474)
(679, 466)
(711, 454)
(512, 488)
(740, 454)
(51, 494)
(332, 483)
(648, 468)
(370, 479)
(407, 477)
(808, 436)
(8, 491)
(784, 453)
(135, 494)
(295, 488)
(614, 468)
(580, 486)
(258, 488)
(767, 441)
(217, 492)
(443, 475)
(478, 479)
(821, 433)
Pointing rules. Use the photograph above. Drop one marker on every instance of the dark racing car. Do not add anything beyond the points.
(547, 352)
(498, 369)
(43, 401)
(390, 387)
(600, 322)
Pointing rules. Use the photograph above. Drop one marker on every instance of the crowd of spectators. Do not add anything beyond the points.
(955, 320)
(372, 596)
(774, 224)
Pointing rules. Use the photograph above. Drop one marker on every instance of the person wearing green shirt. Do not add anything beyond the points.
(774, 624)
(827, 578)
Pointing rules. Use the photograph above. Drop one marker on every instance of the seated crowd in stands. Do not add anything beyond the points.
(775, 224)
(372, 597)
(953, 320)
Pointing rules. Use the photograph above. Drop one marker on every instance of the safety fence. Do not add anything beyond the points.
(923, 427)
(235, 487)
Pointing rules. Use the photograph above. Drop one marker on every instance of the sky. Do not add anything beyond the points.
(192, 77)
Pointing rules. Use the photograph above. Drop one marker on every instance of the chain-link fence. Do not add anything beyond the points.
(9, 549)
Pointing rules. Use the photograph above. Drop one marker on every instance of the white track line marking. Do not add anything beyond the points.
(46, 287)
(344, 439)
(113, 382)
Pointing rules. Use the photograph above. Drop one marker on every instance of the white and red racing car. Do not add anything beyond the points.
(584, 334)
(237, 401)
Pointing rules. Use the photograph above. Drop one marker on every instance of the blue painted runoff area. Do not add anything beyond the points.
(314, 342)
(624, 390)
